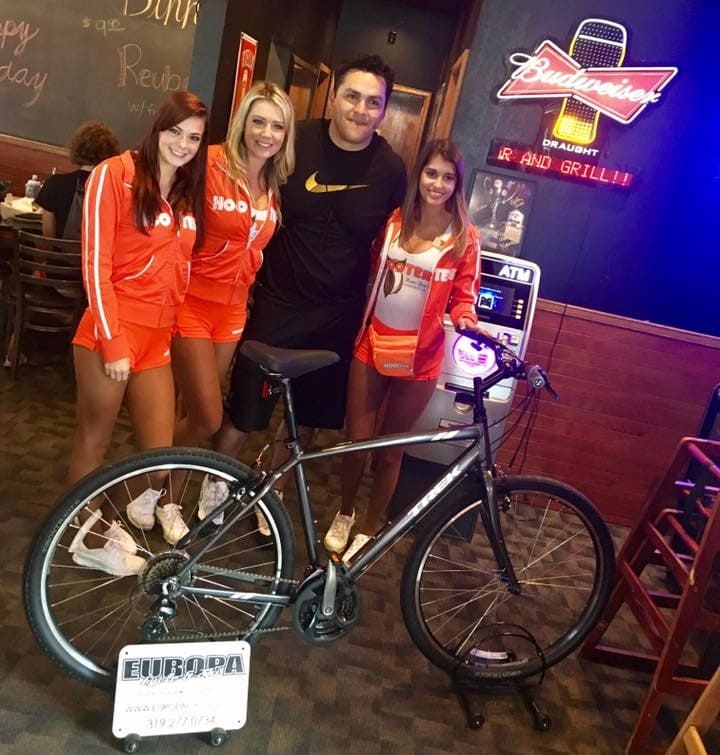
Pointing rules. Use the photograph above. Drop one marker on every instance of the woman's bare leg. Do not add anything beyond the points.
(200, 366)
(366, 391)
(98, 404)
(406, 401)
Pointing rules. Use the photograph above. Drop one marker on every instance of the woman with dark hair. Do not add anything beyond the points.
(428, 255)
(90, 144)
(142, 217)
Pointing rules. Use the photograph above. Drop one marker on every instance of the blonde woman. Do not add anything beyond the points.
(242, 211)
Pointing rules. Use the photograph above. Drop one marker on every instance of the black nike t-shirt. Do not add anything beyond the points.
(333, 206)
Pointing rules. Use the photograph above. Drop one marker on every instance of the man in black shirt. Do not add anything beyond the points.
(310, 291)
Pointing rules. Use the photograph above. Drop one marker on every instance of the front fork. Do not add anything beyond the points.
(491, 519)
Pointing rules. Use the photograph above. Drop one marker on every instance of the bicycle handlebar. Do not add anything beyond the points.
(509, 362)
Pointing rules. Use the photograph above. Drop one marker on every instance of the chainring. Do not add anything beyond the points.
(308, 620)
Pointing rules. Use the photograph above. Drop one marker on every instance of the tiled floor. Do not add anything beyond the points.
(369, 693)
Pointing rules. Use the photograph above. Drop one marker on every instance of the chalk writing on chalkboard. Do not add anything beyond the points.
(104, 25)
(14, 38)
(131, 72)
(165, 11)
(63, 62)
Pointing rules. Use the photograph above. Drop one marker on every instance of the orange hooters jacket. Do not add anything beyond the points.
(129, 275)
(225, 267)
(454, 281)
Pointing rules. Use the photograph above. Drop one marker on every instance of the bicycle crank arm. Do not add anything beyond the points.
(329, 591)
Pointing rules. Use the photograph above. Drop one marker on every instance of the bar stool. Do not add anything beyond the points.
(653, 541)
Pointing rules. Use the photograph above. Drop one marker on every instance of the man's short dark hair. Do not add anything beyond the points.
(371, 64)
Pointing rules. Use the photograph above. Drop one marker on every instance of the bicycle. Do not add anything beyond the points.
(500, 584)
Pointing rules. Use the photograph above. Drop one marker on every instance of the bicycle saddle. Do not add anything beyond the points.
(291, 363)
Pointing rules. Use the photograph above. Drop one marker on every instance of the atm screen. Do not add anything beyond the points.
(502, 304)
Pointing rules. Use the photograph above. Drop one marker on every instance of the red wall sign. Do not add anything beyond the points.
(244, 70)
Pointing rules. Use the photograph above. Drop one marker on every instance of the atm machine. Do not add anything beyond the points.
(505, 307)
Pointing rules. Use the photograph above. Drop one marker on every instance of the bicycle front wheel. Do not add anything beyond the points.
(458, 607)
(83, 616)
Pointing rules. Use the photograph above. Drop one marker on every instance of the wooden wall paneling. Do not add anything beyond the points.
(20, 158)
(629, 391)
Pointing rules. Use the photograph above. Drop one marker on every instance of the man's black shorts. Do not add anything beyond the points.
(319, 396)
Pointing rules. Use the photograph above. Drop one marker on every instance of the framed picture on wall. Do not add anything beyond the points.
(500, 206)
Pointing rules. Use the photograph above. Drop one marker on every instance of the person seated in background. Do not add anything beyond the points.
(91, 143)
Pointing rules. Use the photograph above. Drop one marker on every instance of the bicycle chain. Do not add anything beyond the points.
(230, 635)
(249, 575)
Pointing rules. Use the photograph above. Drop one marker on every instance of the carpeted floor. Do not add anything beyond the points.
(370, 693)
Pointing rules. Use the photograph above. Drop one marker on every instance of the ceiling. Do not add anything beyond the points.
(449, 7)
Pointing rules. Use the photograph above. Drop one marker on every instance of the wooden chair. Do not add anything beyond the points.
(667, 618)
(48, 289)
(699, 720)
(7, 253)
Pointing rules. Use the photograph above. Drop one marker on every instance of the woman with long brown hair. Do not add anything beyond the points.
(429, 255)
(142, 217)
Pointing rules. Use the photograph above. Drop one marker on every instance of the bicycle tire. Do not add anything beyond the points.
(461, 615)
(82, 617)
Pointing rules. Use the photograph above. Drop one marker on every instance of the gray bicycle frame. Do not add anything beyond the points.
(479, 454)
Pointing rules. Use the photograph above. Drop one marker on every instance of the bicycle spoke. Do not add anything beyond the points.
(84, 616)
(456, 599)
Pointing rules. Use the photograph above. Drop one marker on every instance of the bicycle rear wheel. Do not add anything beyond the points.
(459, 610)
(82, 616)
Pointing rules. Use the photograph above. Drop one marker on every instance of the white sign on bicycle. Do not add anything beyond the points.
(181, 687)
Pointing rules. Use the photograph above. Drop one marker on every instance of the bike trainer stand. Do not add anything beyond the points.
(469, 690)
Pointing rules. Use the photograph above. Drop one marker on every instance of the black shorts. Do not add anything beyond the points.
(319, 396)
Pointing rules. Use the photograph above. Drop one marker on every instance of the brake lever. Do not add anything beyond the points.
(538, 378)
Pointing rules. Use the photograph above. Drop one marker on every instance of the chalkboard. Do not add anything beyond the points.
(63, 62)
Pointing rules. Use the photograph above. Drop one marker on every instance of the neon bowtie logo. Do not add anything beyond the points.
(618, 92)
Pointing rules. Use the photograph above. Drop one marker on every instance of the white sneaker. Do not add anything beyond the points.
(141, 510)
(262, 523)
(112, 558)
(337, 536)
(212, 494)
(172, 523)
(359, 541)
(119, 535)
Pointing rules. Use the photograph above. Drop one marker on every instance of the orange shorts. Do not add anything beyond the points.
(201, 318)
(364, 353)
(149, 347)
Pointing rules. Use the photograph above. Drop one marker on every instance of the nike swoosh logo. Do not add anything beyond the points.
(314, 187)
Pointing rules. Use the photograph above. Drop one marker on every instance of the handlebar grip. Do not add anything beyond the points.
(480, 338)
